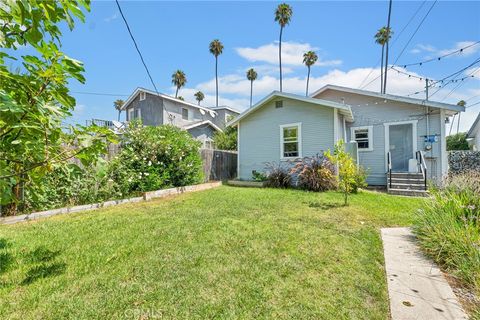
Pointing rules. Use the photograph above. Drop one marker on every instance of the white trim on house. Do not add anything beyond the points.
(299, 140)
(342, 108)
(335, 126)
(428, 103)
(197, 124)
(142, 96)
(474, 128)
(443, 144)
(138, 90)
(369, 136)
(387, 137)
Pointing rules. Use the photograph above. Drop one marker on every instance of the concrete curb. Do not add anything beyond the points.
(146, 196)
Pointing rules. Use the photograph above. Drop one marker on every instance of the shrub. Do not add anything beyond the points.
(448, 227)
(258, 176)
(351, 176)
(457, 142)
(154, 158)
(277, 176)
(315, 174)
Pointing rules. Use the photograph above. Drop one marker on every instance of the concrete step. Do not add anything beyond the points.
(409, 193)
(406, 175)
(407, 186)
(407, 180)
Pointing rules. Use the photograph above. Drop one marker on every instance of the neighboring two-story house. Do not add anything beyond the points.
(158, 109)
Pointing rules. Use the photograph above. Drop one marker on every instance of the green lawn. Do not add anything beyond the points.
(223, 253)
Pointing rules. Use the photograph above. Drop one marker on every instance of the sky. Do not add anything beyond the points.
(176, 35)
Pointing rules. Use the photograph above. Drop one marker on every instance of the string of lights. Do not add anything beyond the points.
(439, 57)
(101, 93)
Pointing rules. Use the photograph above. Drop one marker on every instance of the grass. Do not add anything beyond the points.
(223, 253)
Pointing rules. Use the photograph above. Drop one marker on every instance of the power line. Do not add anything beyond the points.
(141, 56)
(395, 40)
(415, 32)
(460, 84)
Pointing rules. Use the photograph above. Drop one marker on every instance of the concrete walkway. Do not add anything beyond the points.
(416, 287)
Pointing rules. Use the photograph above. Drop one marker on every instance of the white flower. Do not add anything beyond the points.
(149, 163)
(146, 173)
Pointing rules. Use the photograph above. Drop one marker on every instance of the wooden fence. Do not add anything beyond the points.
(219, 164)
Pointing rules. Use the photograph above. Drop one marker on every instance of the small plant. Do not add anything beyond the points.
(349, 175)
(277, 176)
(258, 176)
(315, 174)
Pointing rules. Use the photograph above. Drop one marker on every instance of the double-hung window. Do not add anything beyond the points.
(364, 137)
(291, 141)
(134, 113)
(184, 113)
(143, 95)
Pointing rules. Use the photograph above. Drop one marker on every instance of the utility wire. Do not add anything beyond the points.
(141, 56)
(100, 93)
(409, 40)
(394, 40)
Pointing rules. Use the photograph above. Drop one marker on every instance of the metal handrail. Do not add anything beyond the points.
(389, 166)
(423, 166)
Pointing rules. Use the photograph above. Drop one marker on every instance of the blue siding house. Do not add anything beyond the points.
(394, 134)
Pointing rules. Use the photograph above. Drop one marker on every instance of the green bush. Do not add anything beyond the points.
(68, 185)
(448, 228)
(155, 158)
(315, 174)
(457, 142)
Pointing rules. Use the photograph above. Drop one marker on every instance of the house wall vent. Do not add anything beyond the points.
(279, 104)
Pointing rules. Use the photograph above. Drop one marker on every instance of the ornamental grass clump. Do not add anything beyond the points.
(277, 176)
(315, 174)
(448, 228)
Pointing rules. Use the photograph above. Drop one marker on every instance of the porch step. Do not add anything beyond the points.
(406, 175)
(407, 186)
(407, 181)
(410, 193)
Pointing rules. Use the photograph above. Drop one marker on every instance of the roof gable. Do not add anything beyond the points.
(428, 103)
(344, 109)
(474, 128)
(164, 96)
(197, 124)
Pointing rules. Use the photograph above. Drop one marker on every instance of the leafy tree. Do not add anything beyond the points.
(283, 15)
(226, 140)
(251, 76)
(199, 96)
(216, 48)
(35, 97)
(457, 142)
(179, 79)
(309, 58)
(118, 104)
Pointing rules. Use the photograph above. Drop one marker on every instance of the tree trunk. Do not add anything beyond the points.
(176, 92)
(216, 80)
(251, 92)
(308, 79)
(386, 70)
(458, 124)
(280, 56)
(119, 111)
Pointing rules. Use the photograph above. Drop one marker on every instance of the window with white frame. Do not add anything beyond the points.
(291, 140)
(184, 113)
(134, 113)
(130, 114)
(364, 137)
(143, 95)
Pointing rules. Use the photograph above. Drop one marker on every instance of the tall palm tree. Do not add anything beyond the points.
(199, 96)
(309, 58)
(283, 15)
(380, 38)
(216, 48)
(389, 35)
(118, 104)
(179, 79)
(251, 76)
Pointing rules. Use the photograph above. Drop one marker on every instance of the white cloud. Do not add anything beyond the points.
(432, 51)
(292, 54)
(111, 18)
